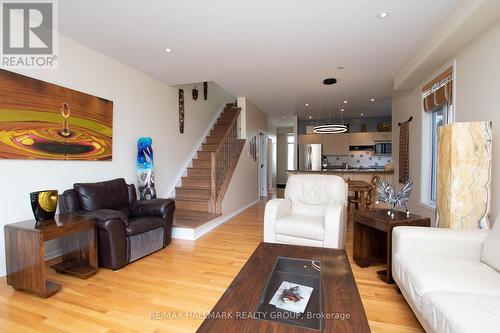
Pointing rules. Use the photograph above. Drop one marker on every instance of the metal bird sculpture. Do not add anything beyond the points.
(386, 193)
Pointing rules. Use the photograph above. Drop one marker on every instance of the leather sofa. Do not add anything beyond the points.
(127, 229)
(449, 277)
(313, 212)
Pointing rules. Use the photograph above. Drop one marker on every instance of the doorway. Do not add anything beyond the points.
(263, 163)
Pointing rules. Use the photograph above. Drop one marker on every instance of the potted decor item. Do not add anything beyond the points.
(44, 204)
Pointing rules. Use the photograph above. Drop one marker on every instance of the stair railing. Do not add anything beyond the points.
(221, 160)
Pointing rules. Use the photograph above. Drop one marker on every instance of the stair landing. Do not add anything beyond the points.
(192, 219)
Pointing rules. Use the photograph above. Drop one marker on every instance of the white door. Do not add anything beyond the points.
(262, 164)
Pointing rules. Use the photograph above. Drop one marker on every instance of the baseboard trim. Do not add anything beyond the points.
(194, 234)
(170, 192)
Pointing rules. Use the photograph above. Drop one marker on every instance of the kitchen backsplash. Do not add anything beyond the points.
(360, 159)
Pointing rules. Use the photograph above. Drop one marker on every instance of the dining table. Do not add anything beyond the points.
(360, 188)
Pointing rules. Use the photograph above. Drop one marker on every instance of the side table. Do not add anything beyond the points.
(25, 252)
(372, 237)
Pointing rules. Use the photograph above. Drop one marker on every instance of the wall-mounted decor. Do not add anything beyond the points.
(404, 153)
(205, 90)
(253, 147)
(181, 111)
(43, 204)
(40, 120)
(145, 163)
(384, 126)
(195, 93)
(463, 181)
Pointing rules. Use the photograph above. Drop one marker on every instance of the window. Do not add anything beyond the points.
(437, 120)
(437, 98)
(290, 151)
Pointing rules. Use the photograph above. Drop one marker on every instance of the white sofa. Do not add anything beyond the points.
(449, 278)
(313, 212)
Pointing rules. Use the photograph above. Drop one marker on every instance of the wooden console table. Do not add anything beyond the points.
(372, 237)
(25, 252)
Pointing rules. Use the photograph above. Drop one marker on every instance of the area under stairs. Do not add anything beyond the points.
(198, 199)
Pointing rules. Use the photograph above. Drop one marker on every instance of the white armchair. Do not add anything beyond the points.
(313, 213)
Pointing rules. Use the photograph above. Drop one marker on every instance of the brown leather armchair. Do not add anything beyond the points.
(127, 229)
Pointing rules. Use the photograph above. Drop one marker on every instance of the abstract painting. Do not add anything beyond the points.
(145, 163)
(40, 120)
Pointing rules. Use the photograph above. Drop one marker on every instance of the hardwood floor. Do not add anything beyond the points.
(187, 278)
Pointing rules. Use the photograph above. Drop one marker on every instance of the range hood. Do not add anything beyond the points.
(361, 148)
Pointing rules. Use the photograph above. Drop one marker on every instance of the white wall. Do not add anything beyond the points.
(477, 87)
(142, 107)
(244, 186)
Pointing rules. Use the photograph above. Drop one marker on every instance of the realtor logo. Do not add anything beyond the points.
(28, 34)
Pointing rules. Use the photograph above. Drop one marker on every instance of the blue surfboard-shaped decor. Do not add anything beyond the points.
(145, 172)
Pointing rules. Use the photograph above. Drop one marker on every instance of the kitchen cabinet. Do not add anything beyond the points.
(342, 144)
(361, 139)
(335, 144)
(383, 136)
(305, 139)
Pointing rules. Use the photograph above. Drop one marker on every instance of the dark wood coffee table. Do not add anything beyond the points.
(372, 237)
(342, 307)
(25, 252)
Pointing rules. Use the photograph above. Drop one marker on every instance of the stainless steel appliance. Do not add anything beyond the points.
(383, 148)
(310, 157)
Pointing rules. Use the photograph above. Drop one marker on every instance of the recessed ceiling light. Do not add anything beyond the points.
(362, 114)
(310, 117)
(168, 50)
(279, 111)
(373, 99)
(383, 15)
(345, 102)
(307, 104)
(284, 117)
(341, 110)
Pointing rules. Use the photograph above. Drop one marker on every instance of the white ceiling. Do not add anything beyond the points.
(274, 52)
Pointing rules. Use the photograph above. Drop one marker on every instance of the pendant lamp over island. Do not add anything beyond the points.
(330, 128)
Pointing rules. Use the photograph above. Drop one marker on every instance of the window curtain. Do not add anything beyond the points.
(404, 158)
(439, 91)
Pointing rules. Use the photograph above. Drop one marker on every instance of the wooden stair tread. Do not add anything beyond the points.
(194, 196)
(190, 188)
(190, 199)
(191, 219)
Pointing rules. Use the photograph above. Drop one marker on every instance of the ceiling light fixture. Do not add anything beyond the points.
(168, 50)
(284, 117)
(362, 114)
(330, 128)
(310, 117)
(383, 15)
(373, 100)
(329, 81)
(307, 104)
(345, 102)
(341, 110)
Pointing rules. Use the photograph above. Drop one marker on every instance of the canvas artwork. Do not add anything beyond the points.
(145, 174)
(40, 120)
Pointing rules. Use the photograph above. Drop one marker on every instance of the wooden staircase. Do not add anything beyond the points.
(199, 198)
